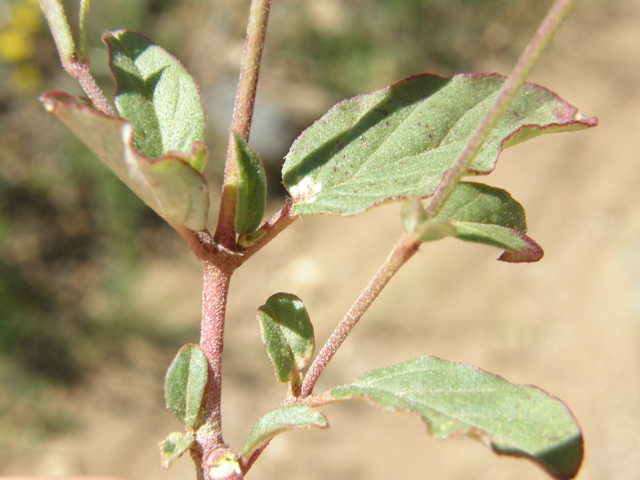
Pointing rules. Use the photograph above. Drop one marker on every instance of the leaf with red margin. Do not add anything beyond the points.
(280, 420)
(452, 398)
(476, 213)
(169, 184)
(399, 141)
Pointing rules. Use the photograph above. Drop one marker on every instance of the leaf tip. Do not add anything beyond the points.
(529, 254)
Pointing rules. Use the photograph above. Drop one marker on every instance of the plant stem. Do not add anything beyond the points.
(510, 88)
(243, 112)
(271, 229)
(214, 300)
(402, 251)
(74, 63)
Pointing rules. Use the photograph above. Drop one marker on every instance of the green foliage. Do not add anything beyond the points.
(169, 185)
(158, 96)
(287, 334)
(399, 141)
(252, 189)
(280, 420)
(452, 398)
(173, 447)
(476, 213)
(185, 383)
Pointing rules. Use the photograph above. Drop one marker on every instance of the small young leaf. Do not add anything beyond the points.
(478, 213)
(287, 334)
(173, 447)
(399, 141)
(225, 467)
(280, 420)
(451, 398)
(252, 189)
(184, 384)
(169, 185)
(157, 95)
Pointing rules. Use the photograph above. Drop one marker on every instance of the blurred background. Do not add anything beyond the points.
(97, 293)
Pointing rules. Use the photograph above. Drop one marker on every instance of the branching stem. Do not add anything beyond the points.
(243, 112)
(75, 63)
(510, 88)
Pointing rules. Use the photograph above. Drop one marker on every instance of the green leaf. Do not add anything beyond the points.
(173, 447)
(252, 189)
(157, 95)
(399, 141)
(477, 213)
(169, 185)
(284, 419)
(452, 398)
(185, 383)
(287, 334)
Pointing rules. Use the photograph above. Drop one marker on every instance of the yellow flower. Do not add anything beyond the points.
(15, 45)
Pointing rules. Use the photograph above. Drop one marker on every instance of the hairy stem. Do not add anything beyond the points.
(242, 115)
(270, 230)
(510, 88)
(214, 301)
(74, 63)
(402, 251)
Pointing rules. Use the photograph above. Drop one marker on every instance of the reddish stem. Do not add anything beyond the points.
(402, 251)
(214, 301)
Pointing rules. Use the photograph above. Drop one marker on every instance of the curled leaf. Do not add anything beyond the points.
(280, 420)
(169, 185)
(477, 213)
(157, 95)
(252, 189)
(287, 334)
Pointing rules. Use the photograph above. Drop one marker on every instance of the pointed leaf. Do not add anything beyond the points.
(169, 185)
(452, 398)
(184, 384)
(173, 447)
(157, 95)
(478, 213)
(287, 334)
(400, 140)
(280, 420)
(252, 189)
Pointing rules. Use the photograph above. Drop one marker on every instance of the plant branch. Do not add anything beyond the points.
(510, 88)
(402, 251)
(281, 220)
(243, 112)
(76, 65)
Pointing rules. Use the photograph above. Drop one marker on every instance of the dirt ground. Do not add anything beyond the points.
(569, 324)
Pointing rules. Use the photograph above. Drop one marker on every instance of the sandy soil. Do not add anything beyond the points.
(569, 324)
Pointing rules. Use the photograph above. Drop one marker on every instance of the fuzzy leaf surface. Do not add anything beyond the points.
(479, 213)
(157, 95)
(184, 384)
(287, 334)
(452, 398)
(169, 185)
(173, 447)
(252, 189)
(280, 420)
(399, 141)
